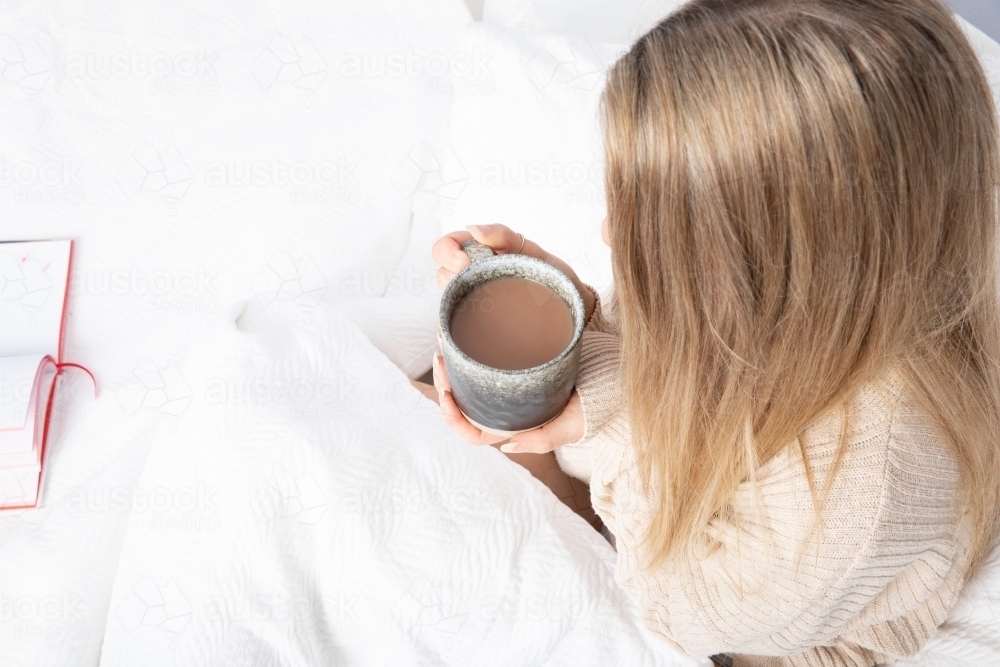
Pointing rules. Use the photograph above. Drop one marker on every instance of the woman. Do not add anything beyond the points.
(788, 411)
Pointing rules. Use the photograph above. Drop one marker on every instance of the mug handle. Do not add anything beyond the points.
(476, 251)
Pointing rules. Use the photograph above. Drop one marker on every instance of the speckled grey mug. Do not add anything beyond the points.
(505, 402)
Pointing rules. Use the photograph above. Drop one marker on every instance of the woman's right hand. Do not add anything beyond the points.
(447, 252)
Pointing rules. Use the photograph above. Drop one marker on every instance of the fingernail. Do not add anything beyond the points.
(483, 230)
(510, 448)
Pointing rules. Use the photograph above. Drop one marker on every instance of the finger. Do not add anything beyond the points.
(454, 418)
(564, 429)
(440, 376)
(535, 441)
(452, 414)
(504, 240)
(447, 251)
(443, 277)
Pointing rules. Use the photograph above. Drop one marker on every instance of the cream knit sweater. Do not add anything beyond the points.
(887, 567)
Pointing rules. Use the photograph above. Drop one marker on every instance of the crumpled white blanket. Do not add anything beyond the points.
(308, 506)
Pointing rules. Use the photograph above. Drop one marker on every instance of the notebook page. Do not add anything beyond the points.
(19, 402)
(18, 486)
(33, 280)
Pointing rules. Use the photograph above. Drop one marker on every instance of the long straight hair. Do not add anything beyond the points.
(801, 195)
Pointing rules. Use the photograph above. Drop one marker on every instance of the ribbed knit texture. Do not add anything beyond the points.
(871, 588)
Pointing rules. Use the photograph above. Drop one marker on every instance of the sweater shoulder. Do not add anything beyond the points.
(921, 491)
(898, 483)
(891, 431)
(895, 477)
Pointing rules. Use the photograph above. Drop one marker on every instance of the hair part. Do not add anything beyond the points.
(801, 195)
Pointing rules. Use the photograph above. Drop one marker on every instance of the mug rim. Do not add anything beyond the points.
(578, 327)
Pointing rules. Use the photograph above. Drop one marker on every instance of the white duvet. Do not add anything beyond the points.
(253, 189)
(314, 510)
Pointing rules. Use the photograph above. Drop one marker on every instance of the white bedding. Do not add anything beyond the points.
(275, 493)
(346, 525)
(130, 127)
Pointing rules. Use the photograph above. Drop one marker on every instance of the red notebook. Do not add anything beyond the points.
(34, 283)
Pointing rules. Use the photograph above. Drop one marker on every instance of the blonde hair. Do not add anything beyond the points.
(801, 193)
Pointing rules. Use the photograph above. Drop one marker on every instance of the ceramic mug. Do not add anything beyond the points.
(496, 400)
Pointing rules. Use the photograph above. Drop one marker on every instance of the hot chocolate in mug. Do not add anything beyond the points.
(497, 400)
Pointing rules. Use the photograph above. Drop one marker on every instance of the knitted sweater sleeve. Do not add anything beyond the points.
(870, 586)
(598, 382)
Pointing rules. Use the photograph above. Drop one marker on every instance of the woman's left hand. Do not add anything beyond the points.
(566, 428)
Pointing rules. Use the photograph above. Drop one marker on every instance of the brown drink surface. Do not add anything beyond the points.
(512, 323)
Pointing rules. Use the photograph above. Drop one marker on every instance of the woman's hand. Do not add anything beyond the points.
(453, 417)
(566, 428)
(447, 252)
